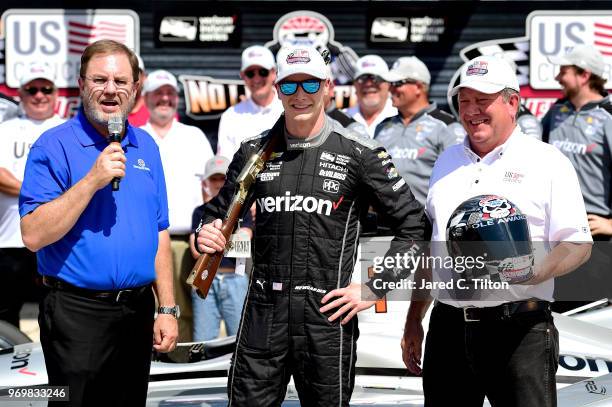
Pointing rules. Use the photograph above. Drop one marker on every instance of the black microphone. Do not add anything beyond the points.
(115, 127)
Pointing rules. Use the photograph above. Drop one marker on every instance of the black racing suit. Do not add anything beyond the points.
(309, 198)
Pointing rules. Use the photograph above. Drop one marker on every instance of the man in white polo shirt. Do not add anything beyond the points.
(183, 149)
(503, 345)
(17, 264)
(373, 102)
(259, 111)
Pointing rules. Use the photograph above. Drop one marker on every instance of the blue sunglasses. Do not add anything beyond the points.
(310, 86)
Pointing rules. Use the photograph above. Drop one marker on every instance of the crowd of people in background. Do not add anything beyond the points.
(393, 107)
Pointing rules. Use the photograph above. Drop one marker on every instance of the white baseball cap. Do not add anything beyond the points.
(257, 55)
(583, 56)
(371, 65)
(296, 59)
(487, 74)
(409, 68)
(216, 165)
(36, 70)
(159, 78)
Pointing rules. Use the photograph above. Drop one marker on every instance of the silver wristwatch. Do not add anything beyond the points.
(174, 311)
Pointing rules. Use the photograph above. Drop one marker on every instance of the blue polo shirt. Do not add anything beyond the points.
(114, 242)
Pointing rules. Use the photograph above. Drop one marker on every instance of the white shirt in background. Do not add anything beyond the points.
(184, 151)
(355, 113)
(16, 137)
(244, 120)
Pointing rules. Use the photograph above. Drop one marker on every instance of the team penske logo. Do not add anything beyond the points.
(339, 159)
(574, 148)
(299, 203)
(330, 157)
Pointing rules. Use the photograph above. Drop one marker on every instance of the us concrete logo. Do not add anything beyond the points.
(548, 34)
(57, 37)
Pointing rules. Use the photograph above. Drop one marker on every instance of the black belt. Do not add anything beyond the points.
(118, 296)
(184, 238)
(500, 312)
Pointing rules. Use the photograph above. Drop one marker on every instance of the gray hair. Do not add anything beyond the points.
(507, 93)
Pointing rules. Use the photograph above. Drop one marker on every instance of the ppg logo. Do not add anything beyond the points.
(330, 185)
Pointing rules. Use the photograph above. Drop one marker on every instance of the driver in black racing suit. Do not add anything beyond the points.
(309, 198)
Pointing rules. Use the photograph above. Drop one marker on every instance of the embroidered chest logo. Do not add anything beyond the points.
(299, 203)
(141, 165)
(270, 172)
(331, 186)
(333, 165)
(513, 177)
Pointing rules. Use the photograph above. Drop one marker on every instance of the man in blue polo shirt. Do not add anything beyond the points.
(100, 250)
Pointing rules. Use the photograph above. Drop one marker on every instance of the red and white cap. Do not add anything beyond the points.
(371, 65)
(300, 59)
(159, 78)
(36, 70)
(257, 56)
(487, 74)
(216, 165)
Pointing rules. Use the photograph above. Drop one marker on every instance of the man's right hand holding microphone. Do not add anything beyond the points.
(109, 164)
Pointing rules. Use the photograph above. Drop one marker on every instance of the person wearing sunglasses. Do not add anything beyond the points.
(259, 111)
(418, 134)
(373, 102)
(299, 315)
(38, 96)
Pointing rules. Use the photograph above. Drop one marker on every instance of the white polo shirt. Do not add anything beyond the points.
(243, 120)
(534, 176)
(184, 151)
(355, 113)
(16, 137)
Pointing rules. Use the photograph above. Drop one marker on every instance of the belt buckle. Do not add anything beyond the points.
(119, 295)
(466, 318)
